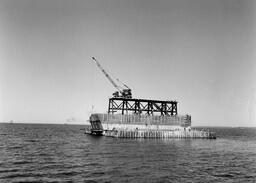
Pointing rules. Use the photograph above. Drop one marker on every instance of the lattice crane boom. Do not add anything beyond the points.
(124, 93)
(106, 74)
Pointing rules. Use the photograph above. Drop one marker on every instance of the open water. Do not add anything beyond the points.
(63, 153)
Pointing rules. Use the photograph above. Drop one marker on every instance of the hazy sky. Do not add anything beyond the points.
(198, 52)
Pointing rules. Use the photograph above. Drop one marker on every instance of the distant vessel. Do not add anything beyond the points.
(128, 117)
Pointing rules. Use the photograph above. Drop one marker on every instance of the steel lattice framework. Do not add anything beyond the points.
(139, 106)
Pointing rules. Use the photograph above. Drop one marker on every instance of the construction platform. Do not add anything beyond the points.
(140, 118)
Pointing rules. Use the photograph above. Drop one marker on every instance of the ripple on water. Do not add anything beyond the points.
(62, 153)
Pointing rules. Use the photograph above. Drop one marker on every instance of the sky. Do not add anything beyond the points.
(198, 52)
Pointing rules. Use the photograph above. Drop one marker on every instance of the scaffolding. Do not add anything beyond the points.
(142, 106)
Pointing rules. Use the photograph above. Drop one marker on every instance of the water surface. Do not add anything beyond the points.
(63, 153)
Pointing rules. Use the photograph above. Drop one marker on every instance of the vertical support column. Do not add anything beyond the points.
(165, 108)
(151, 108)
(135, 107)
(109, 105)
(148, 109)
(174, 108)
(126, 106)
(162, 108)
(138, 103)
(171, 108)
(123, 107)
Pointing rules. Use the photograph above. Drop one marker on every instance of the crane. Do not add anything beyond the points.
(121, 92)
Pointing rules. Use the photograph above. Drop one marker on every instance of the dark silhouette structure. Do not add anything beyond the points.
(139, 106)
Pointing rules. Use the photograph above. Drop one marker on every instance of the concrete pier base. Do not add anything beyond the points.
(142, 126)
(160, 134)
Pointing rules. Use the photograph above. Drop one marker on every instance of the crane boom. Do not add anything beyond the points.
(124, 93)
(106, 74)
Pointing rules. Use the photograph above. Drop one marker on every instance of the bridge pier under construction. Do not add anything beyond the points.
(129, 117)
